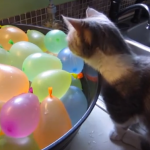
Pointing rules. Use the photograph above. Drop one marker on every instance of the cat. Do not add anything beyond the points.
(126, 76)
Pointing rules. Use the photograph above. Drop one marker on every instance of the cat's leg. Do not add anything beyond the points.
(133, 139)
(119, 130)
(123, 133)
(140, 139)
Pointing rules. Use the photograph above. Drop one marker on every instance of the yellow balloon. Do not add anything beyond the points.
(54, 122)
(37, 63)
(27, 143)
(11, 33)
(12, 82)
(37, 38)
(5, 26)
(20, 51)
(58, 79)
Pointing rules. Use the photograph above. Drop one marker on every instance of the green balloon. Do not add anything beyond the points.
(3, 56)
(20, 51)
(37, 63)
(37, 38)
(6, 26)
(55, 41)
(8, 143)
(59, 80)
(76, 82)
(8, 59)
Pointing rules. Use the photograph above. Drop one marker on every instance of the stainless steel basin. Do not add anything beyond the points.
(139, 33)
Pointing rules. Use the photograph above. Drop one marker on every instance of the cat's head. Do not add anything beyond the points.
(95, 32)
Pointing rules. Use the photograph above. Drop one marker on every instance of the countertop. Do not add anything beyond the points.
(94, 134)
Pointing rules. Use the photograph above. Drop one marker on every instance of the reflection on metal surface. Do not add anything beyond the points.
(100, 103)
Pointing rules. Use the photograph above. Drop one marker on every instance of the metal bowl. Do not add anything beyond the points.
(91, 84)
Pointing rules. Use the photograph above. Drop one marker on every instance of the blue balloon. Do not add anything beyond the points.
(76, 82)
(70, 62)
(75, 103)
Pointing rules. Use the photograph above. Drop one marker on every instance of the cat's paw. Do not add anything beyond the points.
(116, 135)
(133, 139)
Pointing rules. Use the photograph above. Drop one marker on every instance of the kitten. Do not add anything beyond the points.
(126, 77)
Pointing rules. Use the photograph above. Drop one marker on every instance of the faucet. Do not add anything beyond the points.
(135, 7)
(138, 13)
(114, 9)
(51, 21)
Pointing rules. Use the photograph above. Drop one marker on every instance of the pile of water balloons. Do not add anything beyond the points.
(41, 94)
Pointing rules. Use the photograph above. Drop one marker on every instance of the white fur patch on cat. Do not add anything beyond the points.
(111, 67)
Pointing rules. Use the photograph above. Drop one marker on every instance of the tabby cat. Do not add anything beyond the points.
(126, 76)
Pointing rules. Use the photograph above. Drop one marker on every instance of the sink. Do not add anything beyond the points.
(139, 33)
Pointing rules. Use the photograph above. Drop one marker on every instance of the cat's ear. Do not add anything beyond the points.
(67, 23)
(80, 26)
(90, 12)
(71, 22)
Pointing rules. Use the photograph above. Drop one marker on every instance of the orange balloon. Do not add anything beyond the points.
(1, 133)
(12, 82)
(1, 104)
(11, 33)
(54, 122)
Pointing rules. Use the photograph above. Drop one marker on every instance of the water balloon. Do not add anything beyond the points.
(3, 56)
(75, 103)
(20, 51)
(4, 26)
(37, 38)
(37, 63)
(1, 132)
(54, 122)
(11, 33)
(76, 82)
(70, 62)
(26, 143)
(55, 41)
(12, 82)
(59, 80)
(20, 115)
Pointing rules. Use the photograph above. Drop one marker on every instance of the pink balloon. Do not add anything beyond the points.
(20, 115)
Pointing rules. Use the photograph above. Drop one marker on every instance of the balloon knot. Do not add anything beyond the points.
(11, 42)
(50, 89)
(74, 75)
(77, 76)
(31, 90)
(80, 75)
(1, 46)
